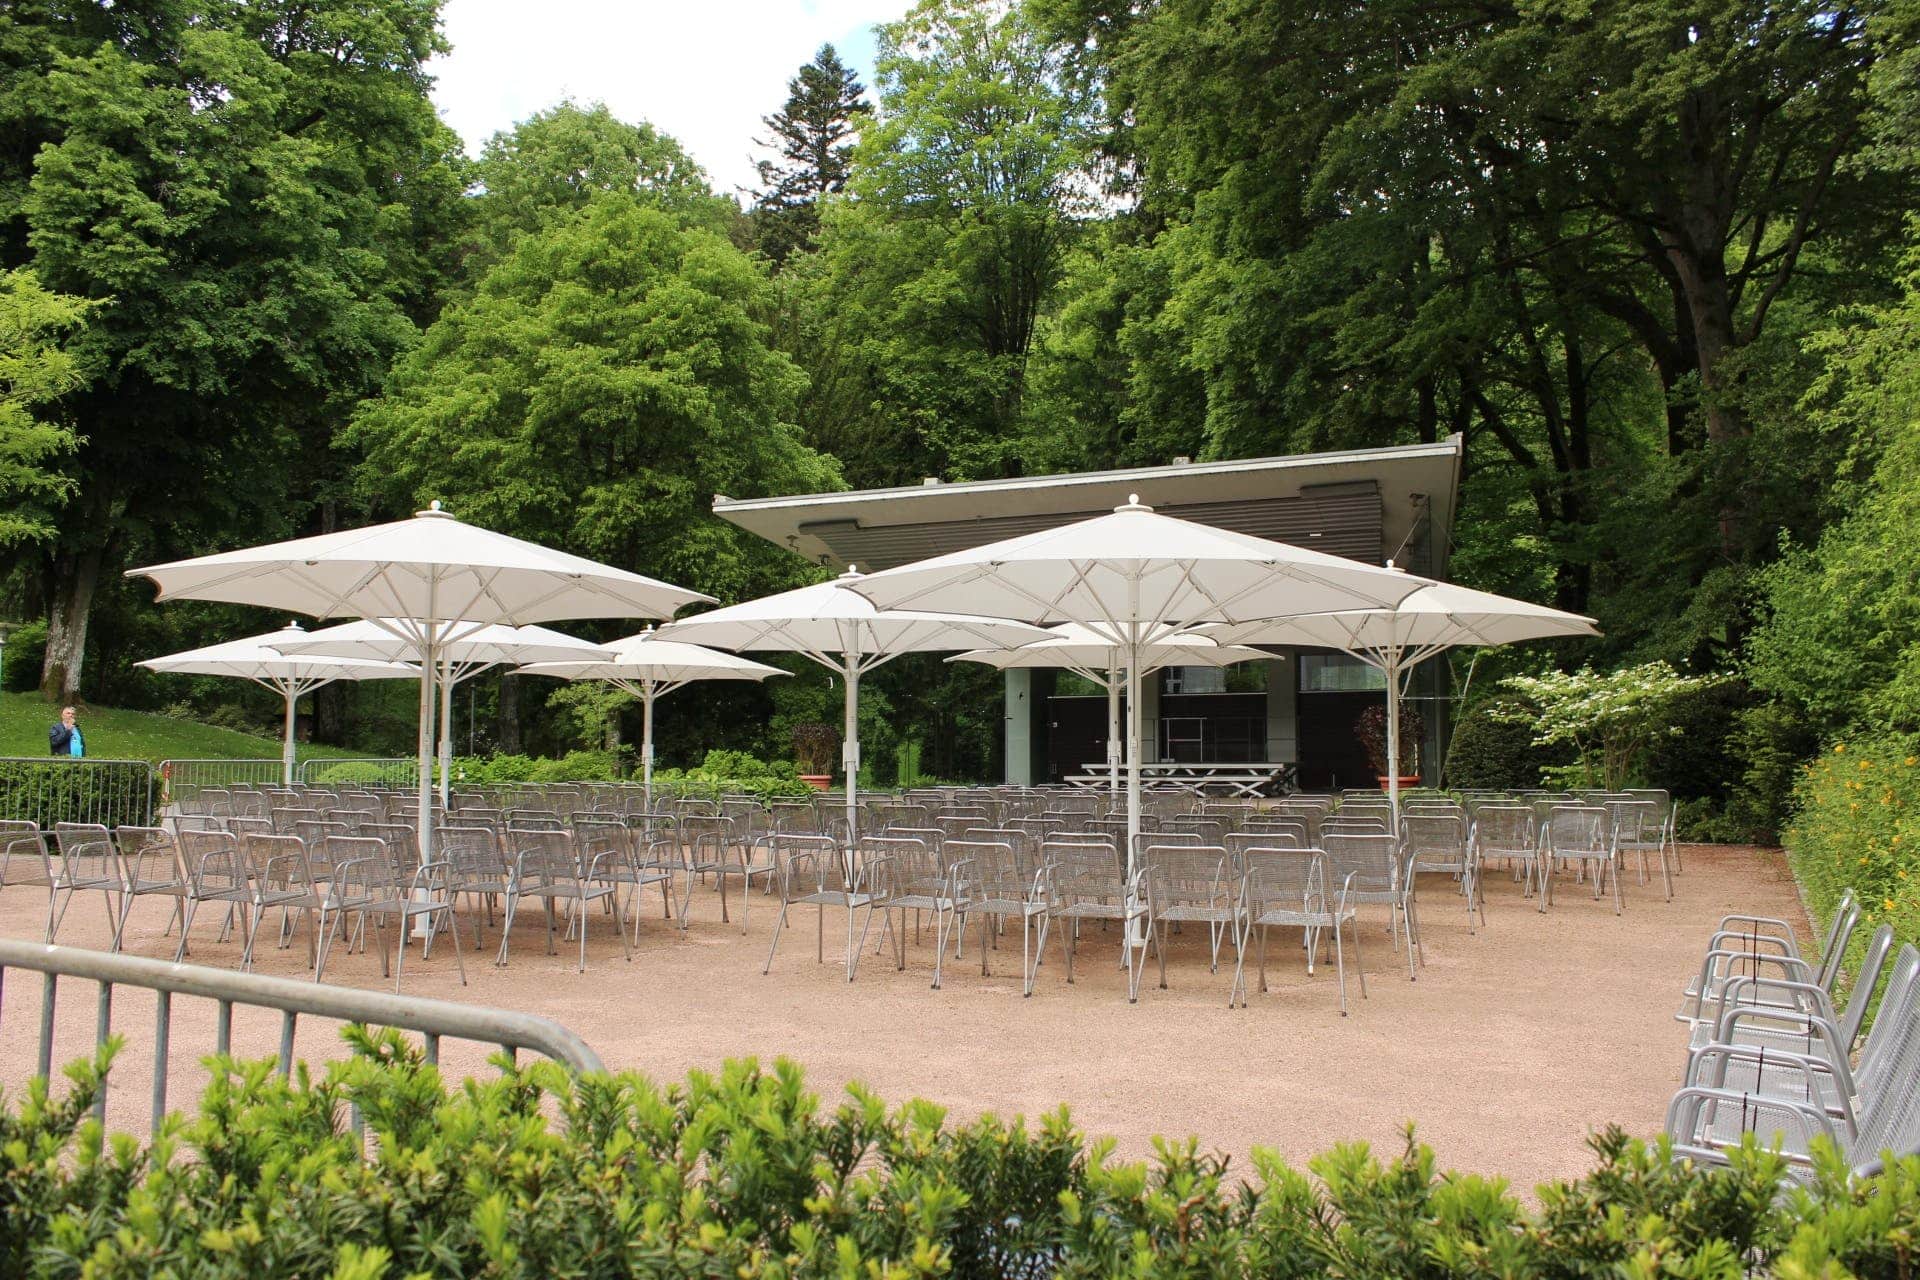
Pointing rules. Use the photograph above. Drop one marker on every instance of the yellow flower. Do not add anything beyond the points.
(1912, 761)
(1866, 764)
(1839, 748)
(1889, 904)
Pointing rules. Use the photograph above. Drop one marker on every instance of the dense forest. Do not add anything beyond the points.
(1658, 262)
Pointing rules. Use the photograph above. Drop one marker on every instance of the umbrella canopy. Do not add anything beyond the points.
(1435, 618)
(1077, 648)
(647, 666)
(846, 634)
(258, 658)
(469, 651)
(1135, 577)
(435, 577)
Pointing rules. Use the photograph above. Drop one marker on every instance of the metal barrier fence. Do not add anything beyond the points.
(393, 771)
(182, 781)
(433, 1019)
(50, 789)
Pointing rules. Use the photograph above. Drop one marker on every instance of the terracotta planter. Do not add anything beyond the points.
(1405, 782)
(818, 781)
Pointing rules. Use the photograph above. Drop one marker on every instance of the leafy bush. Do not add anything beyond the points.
(26, 651)
(369, 771)
(733, 773)
(1858, 826)
(59, 790)
(1493, 747)
(746, 1173)
(578, 766)
(1609, 718)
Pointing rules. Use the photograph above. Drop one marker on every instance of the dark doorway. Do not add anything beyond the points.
(1330, 752)
(1077, 734)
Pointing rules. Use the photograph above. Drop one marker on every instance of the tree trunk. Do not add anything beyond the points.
(330, 714)
(509, 715)
(75, 577)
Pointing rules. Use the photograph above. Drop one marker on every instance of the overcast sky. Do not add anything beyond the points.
(704, 71)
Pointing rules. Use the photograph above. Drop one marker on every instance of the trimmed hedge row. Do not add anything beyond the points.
(745, 1174)
(1857, 824)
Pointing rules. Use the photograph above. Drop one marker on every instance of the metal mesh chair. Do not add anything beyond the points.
(23, 856)
(1581, 833)
(1637, 832)
(813, 870)
(213, 869)
(1288, 888)
(1091, 885)
(281, 877)
(1007, 886)
(367, 885)
(1437, 842)
(917, 878)
(86, 861)
(545, 866)
(1192, 885)
(476, 867)
(1372, 869)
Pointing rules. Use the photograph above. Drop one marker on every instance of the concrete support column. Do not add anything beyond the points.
(1026, 697)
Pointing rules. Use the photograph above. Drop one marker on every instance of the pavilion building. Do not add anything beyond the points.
(1377, 505)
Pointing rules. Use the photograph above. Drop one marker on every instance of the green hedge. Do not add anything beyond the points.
(1857, 824)
(50, 790)
(1489, 752)
(746, 1174)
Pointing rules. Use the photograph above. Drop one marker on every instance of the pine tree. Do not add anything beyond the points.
(814, 136)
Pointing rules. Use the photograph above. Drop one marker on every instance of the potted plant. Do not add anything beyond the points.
(814, 745)
(1371, 728)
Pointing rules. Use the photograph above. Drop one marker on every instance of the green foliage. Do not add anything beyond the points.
(1857, 825)
(733, 773)
(814, 134)
(1842, 635)
(1493, 747)
(364, 771)
(1609, 718)
(745, 1172)
(607, 377)
(26, 649)
(50, 790)
(35, 368)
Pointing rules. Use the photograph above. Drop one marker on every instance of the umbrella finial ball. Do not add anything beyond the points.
(433, 509)
(1133, 503)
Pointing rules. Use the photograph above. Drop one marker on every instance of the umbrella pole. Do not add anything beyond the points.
(1393, 737)
(292, 693)
(850, 748)
(429, 658)
(446, 733)
(646, 742)
(1113, 730)
(1135, 936)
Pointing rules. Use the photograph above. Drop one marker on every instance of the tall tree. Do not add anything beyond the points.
(962, 204)
(813, 136)
(35, 371)
(236, 186)
(606, 378)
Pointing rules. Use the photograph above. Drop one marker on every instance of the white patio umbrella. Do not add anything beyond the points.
(844, 633)
(1083, 651)
(648, 667)
(257, 658)
(1394, 641)
(436, 578)
(474, 652)
(1135, 577)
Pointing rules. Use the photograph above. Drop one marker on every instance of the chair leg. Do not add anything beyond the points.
(1340, 963)
(185, 925)
(779, 923)
(453, 930)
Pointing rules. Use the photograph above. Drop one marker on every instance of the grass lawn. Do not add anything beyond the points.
(136, 735)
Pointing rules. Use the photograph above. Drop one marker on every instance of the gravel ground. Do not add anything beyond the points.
(1514, 1044)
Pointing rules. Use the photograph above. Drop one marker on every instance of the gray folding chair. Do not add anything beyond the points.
(280, 876)
(85, 862)
(1288, 888)
(1007, 887)
(212, 867)
(1374, 871)
(1091, 885)
(918, 878)
(813, 870)
(545, 866)
(23, 856)
(1192, 885)
(1437, 842)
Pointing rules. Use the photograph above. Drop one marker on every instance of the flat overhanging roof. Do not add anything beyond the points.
(1368, 504)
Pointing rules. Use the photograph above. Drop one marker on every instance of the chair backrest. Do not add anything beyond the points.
(1289, 879)
(148, 854)
(1239, 842)
(541, 856)
(1084, 871)
(23, 853)
(1340, 823)
(211, 862)
(1846, 918)
(1900, 1001)
(1576, 829)
(1872, 962)
(475, 853)
(287, 818)
(1189, 876)
(1434, 841)
(1889, 1112)
(362, 867)
(1372, 860)
(987, 869)
(1502, 829)
(86, 851)
(277, 862)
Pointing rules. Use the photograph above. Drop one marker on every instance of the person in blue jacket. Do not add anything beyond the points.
(64, 739)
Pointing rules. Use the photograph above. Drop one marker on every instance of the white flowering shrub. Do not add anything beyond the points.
(1607, 717)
